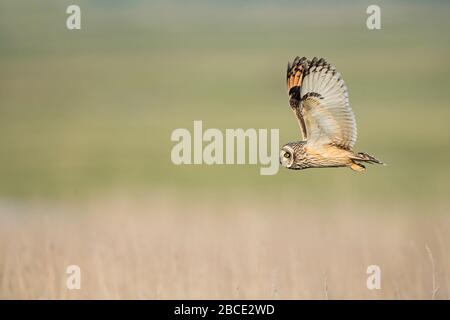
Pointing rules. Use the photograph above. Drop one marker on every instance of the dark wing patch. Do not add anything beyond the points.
(294, 77)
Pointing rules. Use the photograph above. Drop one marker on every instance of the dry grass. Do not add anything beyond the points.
(159, 249)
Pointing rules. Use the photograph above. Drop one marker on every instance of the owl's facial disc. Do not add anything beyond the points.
(287, 157)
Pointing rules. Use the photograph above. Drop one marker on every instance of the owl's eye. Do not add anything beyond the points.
(287, 155)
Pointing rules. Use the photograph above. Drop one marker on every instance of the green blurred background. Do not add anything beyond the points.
(91, 111)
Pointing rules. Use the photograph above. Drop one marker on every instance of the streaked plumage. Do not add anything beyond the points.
(319, 98)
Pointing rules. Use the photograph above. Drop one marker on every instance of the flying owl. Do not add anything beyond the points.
(319, 98)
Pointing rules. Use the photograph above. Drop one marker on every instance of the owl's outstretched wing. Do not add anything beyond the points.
(319, 99)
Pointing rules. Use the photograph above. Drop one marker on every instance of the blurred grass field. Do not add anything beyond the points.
(158, 248)
(85, 124)
(88, 111)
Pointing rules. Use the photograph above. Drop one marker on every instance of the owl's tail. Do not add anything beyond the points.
(363, 157)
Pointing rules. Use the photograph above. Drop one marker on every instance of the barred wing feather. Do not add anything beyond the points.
(320, 101)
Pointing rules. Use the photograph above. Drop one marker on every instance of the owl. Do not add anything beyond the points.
(319, 98)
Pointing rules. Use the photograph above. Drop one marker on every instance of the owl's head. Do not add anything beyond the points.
(291, 156)
(287, 156)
